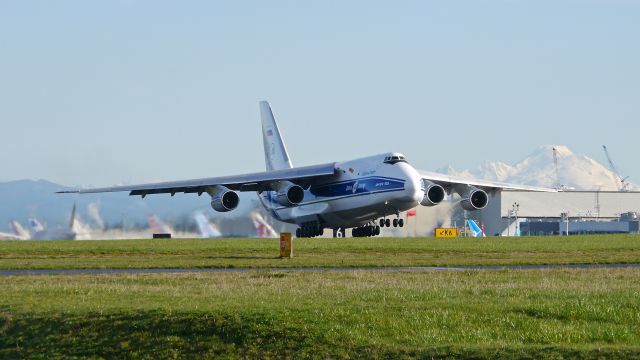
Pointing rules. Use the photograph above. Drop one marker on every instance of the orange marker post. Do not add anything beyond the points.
(286, 247)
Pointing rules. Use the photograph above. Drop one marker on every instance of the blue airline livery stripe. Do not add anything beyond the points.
(357, 186)
(345, 189)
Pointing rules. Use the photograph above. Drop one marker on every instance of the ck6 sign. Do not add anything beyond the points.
(446, 232)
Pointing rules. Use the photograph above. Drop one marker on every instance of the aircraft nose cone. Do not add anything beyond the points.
(413, 189)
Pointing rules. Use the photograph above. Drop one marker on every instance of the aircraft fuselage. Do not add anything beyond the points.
(360, 192)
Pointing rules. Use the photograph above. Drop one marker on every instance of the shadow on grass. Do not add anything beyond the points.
(239, 257)
(161, 335)
(150, 334)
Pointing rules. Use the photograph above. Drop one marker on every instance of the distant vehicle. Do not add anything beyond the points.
(206, 228)
(61, 233)
(360, 194)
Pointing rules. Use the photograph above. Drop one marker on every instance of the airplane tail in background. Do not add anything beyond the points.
(157, 226)
(35, 225)
(72, 220)
(19, 231)
(475, 229)
(275, 152)
(206, 228)
(263, 229)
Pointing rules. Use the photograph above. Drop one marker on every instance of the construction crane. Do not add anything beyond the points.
(624, 184)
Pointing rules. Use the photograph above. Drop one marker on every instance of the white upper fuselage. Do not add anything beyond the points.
(361, 191)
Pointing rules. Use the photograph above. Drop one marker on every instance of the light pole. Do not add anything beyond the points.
(515, 207)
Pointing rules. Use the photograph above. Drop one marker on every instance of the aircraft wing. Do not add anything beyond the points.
(451, 182)
(260, 181)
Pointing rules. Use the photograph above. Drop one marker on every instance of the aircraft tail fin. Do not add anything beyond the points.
(72, 220)
(157, 226)
(263, 229)
(275, 151)
(18, 230)
(475, 229)
(35, 225)
(207, 229)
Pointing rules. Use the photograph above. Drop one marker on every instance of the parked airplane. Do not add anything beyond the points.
(157, 226)
(18, 232)
(263, 228)
(35, 225)
(361, 194)
(476, 231)
(206, 228)
(61, 233)
(9, 236)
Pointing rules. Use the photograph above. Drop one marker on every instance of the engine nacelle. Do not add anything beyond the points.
(289, 194)
(223, 199)
(475, 199)
(433, 194)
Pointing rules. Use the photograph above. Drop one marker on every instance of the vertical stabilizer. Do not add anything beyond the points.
(35, 225)
(475, 229)
(72, 220)
(19, 231)
(275, 152)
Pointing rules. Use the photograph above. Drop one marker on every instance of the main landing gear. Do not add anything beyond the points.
(366, 231)
(398, 222)
(309, 231)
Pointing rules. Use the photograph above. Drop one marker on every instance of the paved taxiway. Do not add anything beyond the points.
(381, 268)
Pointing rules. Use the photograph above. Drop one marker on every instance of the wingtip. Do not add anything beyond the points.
(68, 192)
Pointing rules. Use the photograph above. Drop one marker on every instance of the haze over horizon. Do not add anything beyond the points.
(105, 93)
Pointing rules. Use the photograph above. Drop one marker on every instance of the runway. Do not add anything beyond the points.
(380, 268)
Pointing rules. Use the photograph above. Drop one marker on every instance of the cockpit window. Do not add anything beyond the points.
(394, 159)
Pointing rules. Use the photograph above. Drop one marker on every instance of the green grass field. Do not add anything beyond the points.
(356, 314)
(552, 313)
(349, 252)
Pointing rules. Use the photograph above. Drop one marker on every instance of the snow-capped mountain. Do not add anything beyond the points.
(575, 171)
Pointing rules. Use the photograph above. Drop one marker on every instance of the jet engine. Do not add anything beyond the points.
(433, 194)
(475, 199)
(223, 199)
(289, 194)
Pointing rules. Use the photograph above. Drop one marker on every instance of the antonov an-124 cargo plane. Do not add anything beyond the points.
(363, 194)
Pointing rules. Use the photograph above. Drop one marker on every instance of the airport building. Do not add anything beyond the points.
(572, 212)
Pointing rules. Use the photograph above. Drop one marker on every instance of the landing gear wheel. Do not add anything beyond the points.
(387, 222)
(377, 231)
(395, 222)
(381, 222)
(401, 222)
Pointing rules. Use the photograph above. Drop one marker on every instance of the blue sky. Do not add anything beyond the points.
(97, 93)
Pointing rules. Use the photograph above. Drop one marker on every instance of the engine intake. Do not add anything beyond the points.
(475, 199)
(433, 194)
(223, 199)
(289, 194)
